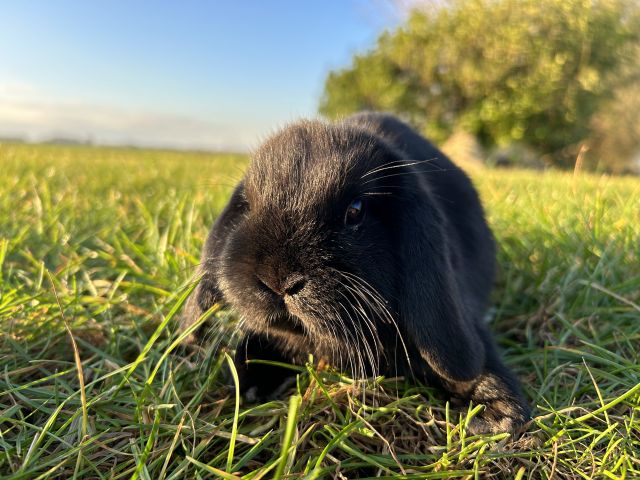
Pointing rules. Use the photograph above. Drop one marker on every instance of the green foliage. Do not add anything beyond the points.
(525, 71)
(120, 232)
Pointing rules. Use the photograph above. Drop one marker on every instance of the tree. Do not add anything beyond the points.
(533, 72)
(615, 130)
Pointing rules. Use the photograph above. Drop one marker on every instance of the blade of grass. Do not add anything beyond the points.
(147, 449)
(183, 335)
(236, 412)
(156, 334)
(215, 471)
(292, 420)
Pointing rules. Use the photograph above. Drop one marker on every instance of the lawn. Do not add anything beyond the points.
(96, 249)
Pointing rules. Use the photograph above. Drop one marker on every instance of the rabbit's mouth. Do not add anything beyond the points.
(285, 322)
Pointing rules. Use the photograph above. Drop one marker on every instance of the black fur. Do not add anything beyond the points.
(403, 291)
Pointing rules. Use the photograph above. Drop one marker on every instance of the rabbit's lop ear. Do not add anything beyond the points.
(208, 290)
(430, 300)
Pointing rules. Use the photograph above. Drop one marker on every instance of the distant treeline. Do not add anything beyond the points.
(48, 141)
(555, 79)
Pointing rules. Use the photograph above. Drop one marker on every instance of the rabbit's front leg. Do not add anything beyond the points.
(505, 409)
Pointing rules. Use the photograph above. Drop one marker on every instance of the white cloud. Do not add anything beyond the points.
(17, 90)
(25, 112)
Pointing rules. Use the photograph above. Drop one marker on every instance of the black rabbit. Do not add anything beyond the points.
(363, 244)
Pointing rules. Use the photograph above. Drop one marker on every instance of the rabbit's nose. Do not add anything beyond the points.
(268, 282)
(294, 283)
(290, 285)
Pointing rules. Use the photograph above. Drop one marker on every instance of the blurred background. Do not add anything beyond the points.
(533, 83)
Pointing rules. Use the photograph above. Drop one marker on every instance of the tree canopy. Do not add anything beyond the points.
(534, 72)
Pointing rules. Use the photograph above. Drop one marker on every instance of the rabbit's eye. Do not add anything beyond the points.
(354, 213)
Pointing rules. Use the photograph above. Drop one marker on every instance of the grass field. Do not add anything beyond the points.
(97, 245)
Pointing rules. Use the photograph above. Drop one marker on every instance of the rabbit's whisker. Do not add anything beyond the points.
(381, 308)
(361, 313)
(397, 164)
(412, 172)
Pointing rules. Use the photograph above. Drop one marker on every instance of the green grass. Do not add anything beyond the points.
(97, 246)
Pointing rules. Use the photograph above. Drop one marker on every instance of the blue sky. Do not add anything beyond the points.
(207, 74)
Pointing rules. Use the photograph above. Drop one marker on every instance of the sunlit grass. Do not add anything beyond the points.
(115, 233)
